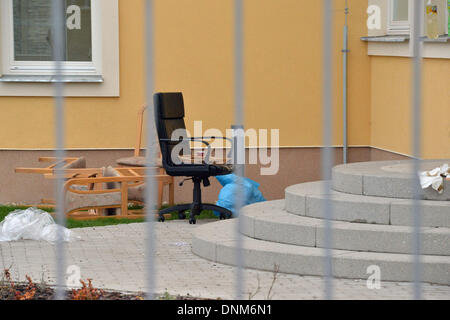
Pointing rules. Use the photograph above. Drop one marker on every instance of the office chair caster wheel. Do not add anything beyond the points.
(181, 215)
(225, 216)
(192, 221)
(161, 219)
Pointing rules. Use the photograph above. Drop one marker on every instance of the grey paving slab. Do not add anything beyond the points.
(398, 267)
(295, 197)
(286, 229)
(436, 213)
(179, 271)
(349, 182)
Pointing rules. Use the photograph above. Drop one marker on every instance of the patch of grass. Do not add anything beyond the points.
(101, 222)
(205, 214)
(5, 210)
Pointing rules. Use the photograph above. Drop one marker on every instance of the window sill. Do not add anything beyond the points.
(398, 46)
(404, 38)
(51, 79)
(385, 38)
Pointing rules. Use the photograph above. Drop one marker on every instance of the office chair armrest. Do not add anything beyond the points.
(208, 153)
(229, 154)
(214, 137)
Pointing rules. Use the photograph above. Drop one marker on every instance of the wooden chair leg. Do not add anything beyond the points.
(124, 200)
(171, 193)
(160, 193)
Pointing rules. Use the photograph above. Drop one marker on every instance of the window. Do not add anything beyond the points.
(91, 51)
(29, 38)
(398, 17)
(390, 36)
(32, 30)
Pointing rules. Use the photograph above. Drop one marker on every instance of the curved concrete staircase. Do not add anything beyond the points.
(372, 225)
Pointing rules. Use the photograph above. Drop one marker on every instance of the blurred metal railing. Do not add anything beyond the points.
(239, 139)
(327, 131)
(58, 25)
(151, 153)
(58, 49)
(416, 134)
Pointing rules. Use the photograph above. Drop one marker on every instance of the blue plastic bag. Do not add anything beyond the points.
(227, 194)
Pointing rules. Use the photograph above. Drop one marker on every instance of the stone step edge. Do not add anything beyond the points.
(217, 242)
(369, 178)
(270, 222)
(388, 211)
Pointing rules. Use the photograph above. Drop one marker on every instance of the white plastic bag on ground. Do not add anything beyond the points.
(435, 178)
(32, 224)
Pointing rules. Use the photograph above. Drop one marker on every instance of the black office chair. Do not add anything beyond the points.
(171, 129)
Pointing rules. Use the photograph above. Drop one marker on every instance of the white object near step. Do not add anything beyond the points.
(435, 178)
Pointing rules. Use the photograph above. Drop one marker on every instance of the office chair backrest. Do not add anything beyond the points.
(169, 117)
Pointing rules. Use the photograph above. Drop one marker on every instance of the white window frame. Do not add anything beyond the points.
(397, 27)
(12, 67)
(103, 82)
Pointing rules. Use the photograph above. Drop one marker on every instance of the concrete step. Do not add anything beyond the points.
(269, 221)
(218, 242)
(392, 179)
(307, 199)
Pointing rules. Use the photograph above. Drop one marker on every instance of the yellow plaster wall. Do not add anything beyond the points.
(391, 107)
(194, 54)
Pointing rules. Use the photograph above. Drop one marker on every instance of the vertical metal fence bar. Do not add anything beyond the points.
(344, 85)
(239, 141)
(57, 41)
(327, 154)
(416, 127)
(151, 153)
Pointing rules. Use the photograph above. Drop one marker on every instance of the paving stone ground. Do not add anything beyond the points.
(114, 257)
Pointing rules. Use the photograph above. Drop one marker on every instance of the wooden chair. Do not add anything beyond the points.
(139, 161)
(69, 163)
(87, 197)
(65, 163)
(88, 191)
